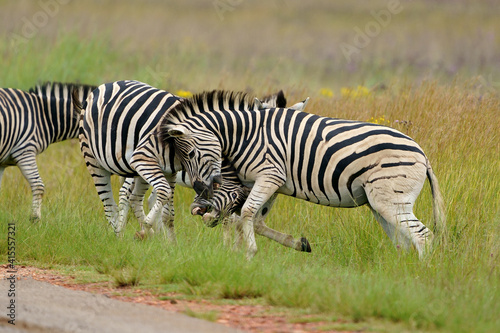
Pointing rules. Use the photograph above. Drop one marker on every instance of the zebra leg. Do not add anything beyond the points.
(102, 182)
(152, 199)
(137, 204)
(262, 229)
(262, 191)
(227, 226)
(124, 202)
(151, 203)
(391, 201)
(150, 171)
(29, 169)
(168, 216)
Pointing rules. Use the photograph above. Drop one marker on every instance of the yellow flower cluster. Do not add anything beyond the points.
(326, 92)
(184, 93)
(379, 121)
(360, 91)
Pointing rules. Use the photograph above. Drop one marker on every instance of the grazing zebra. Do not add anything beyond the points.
(30, 122)
(332, 162)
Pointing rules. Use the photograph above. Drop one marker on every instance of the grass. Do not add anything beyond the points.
(354, 272)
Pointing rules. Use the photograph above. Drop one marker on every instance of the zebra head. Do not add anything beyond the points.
(199, 152)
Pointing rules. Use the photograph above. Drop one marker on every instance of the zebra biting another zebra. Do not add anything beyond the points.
(328, 161)
(118, 136)
(29, 122)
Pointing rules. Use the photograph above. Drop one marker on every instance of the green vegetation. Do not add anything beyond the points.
(442, 93)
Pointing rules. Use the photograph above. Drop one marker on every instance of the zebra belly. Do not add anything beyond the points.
(358, 197)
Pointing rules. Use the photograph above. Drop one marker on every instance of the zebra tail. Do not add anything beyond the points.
(438, 203)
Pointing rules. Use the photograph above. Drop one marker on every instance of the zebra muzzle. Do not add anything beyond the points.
(197, 210)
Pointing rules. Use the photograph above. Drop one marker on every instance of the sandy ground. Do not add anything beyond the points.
(49, 302)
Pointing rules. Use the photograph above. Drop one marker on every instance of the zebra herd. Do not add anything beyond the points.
(236, 152)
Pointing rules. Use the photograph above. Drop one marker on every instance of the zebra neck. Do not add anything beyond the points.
(242, 133)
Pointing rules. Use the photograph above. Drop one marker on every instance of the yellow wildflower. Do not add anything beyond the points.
(184, 93)
(360, 91)
(326, 92)
(379, 121)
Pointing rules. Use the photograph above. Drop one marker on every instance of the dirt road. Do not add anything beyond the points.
(43, 307)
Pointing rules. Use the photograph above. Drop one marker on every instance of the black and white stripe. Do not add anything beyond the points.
(116, 137)
(30, 122)
(232, 194)
(333, 162)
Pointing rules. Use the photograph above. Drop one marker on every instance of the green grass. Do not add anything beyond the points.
(354, 272)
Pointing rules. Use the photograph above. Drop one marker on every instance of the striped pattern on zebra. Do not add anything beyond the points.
(30, 121)
(117, 137)
(234, 193)
(224, 208)
(332, 162)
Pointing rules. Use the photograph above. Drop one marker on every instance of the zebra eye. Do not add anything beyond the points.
(191, 154)
(234, 196)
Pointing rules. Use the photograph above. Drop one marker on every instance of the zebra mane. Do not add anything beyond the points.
(205, 102)
(209, 101)
(44, 87)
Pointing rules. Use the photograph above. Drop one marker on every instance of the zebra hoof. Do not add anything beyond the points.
(141, 235)
(34, 219)
(306, 247)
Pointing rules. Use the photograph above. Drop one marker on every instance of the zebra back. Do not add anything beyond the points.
(32, 120)
(120, 117)
(58, 119)
(296, 137)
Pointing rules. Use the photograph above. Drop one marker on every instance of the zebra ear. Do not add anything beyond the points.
(176, 131)
(258, 103)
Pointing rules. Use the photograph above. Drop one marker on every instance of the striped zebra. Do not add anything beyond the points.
(29, 122)
(117, 127)
(235, 192)
(327, 161)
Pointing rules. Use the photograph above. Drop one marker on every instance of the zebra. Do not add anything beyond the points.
(30, 121)
(235, 192)
(327, 161)
(116, 136)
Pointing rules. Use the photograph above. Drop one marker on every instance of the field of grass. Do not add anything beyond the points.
(425, 75)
